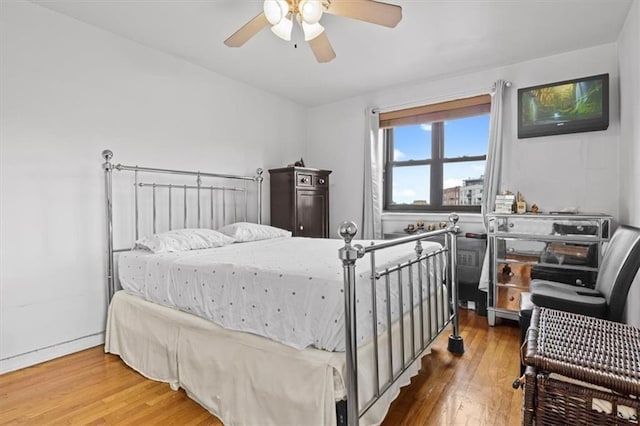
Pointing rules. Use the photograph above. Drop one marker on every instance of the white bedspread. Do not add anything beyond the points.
(287, 289)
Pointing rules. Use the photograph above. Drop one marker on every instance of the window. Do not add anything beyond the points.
(435, 155)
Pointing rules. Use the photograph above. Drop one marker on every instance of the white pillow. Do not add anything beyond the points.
(244, 231)
(183, 239)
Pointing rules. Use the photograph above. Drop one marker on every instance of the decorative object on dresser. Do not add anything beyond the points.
(557, 247)
(300, 201)
(505, 202)
(521, 205)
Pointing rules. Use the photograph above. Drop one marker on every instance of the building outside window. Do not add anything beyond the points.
(435, 155)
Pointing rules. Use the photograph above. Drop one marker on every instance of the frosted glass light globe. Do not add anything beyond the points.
(311, 11)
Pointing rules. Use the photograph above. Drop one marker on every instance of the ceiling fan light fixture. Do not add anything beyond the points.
(279, 15)
(310, 11)
(283, 29)
(272, 11)
(311, 31)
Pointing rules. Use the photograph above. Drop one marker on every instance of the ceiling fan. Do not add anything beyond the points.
(281, 13)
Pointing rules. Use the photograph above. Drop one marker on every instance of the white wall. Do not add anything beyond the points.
(69, 90)
(578, 170)
(629, 63)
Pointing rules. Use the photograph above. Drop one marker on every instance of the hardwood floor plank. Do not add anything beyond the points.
(91, 387)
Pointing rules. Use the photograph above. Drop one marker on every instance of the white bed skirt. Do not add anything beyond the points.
(243, 379)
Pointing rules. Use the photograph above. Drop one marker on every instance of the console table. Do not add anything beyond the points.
(557, 247)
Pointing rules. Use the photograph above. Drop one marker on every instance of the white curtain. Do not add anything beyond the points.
(492, 170)
(372, 196)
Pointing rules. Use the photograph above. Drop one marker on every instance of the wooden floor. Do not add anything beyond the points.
(98, 388)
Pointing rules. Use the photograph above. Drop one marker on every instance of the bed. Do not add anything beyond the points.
(276, 330)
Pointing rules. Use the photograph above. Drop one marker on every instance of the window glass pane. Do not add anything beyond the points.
(411, 185)
(466, 136)
(462, 183)
(412, 142)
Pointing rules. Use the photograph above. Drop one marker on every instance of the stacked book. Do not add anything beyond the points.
(504, 203)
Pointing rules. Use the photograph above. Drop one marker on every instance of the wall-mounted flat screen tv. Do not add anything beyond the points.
(578, 105)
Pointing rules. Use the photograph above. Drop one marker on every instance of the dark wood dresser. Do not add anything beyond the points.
(300, 201)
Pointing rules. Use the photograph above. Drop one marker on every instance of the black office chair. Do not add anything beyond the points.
(620, 265)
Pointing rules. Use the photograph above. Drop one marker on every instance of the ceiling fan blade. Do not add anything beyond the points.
(247, 31)
(371, 11)
(322, 48)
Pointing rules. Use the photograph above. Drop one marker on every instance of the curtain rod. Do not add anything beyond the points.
(450, 97)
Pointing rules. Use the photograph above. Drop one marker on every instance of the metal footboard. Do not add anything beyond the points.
(426, 272)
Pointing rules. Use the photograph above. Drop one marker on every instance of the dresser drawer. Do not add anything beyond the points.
(509, 298)
(304, 179)
(320, 181)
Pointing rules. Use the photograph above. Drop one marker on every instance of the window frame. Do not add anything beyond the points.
(436, 162)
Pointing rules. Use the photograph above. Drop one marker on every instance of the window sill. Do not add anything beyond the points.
(430, 215)
(397, 221)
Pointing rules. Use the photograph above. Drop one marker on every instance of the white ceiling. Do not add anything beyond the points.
(434, 38)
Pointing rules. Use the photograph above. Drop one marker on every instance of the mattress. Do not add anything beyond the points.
(289, 290)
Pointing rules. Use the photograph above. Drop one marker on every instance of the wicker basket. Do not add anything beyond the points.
(581, 370)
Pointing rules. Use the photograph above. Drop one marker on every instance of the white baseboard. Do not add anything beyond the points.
(45, 354)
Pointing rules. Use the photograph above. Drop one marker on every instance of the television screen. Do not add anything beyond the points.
(579, 105)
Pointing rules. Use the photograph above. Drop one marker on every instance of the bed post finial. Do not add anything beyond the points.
(107, 154)
(454, 218)
(453, 222)
(347, 231)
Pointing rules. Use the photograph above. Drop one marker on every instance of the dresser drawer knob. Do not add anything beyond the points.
(321, 181)
(304, 180)
(301, 228)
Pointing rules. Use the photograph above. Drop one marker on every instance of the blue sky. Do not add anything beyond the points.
(465, 136)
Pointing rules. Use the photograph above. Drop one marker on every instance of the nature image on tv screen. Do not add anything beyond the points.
(563, 103)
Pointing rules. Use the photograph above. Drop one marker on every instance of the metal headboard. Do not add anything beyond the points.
(183, 191)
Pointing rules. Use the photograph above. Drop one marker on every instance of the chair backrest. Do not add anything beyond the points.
(619, 266)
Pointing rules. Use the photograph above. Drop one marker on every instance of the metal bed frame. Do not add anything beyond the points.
(420, 268)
